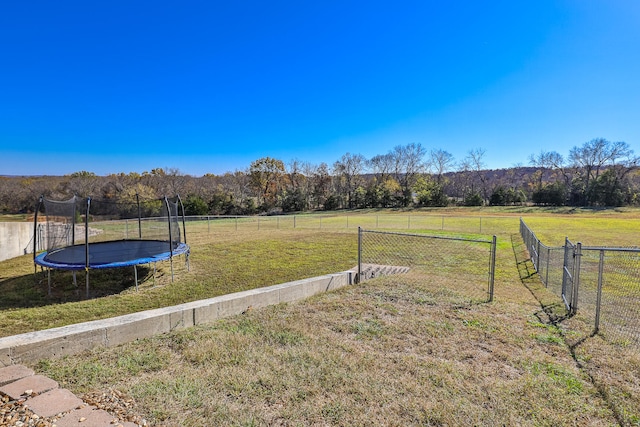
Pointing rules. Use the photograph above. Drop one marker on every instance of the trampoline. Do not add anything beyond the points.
(114, 254)
(112, 235)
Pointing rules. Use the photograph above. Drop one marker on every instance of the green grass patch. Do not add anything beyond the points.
(220, 264)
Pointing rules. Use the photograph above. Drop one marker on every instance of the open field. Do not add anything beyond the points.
(391, 351)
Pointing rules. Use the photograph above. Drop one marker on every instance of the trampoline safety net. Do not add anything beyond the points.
(82, 233)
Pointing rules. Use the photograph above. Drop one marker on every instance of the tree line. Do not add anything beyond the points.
(597, 173)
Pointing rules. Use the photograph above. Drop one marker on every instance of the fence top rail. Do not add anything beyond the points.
(583, 248)
(538, 240)
(461, 239)
(610, 248)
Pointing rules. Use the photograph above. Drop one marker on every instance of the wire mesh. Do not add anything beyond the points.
(548, 261)
(601, 284)
(571, 274)
(60, 227)
(610, 292)
(462, 267)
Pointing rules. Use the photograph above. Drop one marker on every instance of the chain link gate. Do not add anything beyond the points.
(462, 266)
(602, 284)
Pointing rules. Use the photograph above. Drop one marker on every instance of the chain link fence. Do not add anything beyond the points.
(460, 267)
(601, 284)
(464, 224)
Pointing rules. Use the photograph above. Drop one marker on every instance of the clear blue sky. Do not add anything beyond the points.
(210, 86)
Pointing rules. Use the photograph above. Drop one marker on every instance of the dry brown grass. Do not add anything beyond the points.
(393, 351)
(389, 352)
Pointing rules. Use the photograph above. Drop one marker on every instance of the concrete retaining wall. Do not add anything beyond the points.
(66, 340)
(15, 237)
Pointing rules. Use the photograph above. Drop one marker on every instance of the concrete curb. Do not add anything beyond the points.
(72, 339)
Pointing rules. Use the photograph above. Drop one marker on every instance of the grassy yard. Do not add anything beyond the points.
(400, 350)
(221, 263)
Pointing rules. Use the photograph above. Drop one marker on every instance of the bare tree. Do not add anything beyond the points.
(266, 178)
(83, 184)
(475, 160)
(441, 162)
(293, 171)
(348, 170)
(381, 165)
(590, 159)
(409, 163)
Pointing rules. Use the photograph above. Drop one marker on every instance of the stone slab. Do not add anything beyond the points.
(36, 383)
(90, 416)
(54, 402)
(13, 373)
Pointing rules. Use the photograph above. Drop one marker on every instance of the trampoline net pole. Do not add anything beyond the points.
(35, 239)
(86, 245)
(35, 230)
(166, 203)
(73, 223)
(184, 226)
(139, 217)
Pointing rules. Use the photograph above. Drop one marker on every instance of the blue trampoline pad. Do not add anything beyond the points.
(119, 253)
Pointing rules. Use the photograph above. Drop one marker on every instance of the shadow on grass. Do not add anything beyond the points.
(554, 313)
(32, 290)
(553, 308)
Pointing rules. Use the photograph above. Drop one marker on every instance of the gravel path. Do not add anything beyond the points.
(14, 412)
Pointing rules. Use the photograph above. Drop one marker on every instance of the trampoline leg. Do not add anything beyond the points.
(49, 280)
(154, 274)
(75, 282)
(135, 273)
(87, 282)
(171, 261)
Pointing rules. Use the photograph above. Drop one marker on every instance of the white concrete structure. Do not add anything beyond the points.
(15, 239)
(66, 340)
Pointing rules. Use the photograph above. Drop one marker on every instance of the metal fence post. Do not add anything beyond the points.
(599, 293)
(576, 277)
(565, 272)
(359, 277)
(492, 267)
(546, 275)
